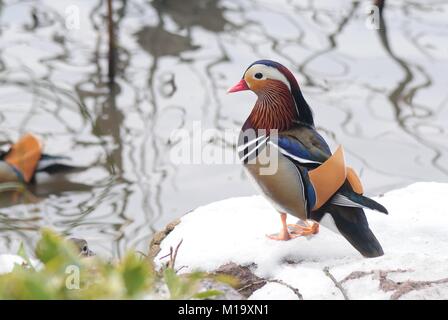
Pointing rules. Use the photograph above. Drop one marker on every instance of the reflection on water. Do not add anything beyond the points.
(380, 93)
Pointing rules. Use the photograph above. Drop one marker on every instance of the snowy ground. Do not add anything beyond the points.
(414, 237)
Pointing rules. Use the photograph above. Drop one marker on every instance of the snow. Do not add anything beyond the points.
(414, 237)
(8, 261)
(274, 291)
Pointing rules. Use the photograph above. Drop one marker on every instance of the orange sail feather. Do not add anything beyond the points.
(25, 155)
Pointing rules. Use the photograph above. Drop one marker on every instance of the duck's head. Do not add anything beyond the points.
(261, 75)
(277, 90)
(82, 246)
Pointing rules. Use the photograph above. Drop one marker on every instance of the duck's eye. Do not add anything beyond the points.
(258, 75)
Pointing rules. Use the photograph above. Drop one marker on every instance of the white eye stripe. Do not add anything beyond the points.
(268, 73)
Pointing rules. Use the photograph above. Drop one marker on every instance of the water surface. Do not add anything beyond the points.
(381, 93)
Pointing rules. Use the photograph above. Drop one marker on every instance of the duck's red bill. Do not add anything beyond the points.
(240, 86)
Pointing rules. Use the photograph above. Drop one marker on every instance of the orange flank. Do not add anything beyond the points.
(354, 180)
(328, 177)
(25, 155)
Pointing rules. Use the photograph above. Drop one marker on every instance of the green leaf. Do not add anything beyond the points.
(208, 294)
(182, 286)
(37, 290)
(47, 247)
(172, 281)
(135, 273)
(55, 252)
(227, 279)
(22, 253)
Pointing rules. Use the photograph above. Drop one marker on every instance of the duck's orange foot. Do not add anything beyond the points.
(282, 236)
(310, 228)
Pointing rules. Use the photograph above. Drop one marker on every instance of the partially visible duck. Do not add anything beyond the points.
(82, 246)
(8, 261)
(21, 161)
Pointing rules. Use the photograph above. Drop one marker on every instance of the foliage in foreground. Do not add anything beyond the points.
(61, 273)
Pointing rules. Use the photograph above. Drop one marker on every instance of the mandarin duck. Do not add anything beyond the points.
(21, 161)
(8, 261)
(294, 168)
(82, 246)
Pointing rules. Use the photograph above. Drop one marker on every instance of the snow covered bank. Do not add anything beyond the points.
(8, 261)
(414, 237)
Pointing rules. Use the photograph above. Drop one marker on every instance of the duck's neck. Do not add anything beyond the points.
(277, 108)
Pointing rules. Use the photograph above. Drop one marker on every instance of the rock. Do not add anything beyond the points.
(229, 293)
(248, 282)
(154, 246)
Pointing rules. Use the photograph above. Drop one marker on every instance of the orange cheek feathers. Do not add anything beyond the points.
(255, 85)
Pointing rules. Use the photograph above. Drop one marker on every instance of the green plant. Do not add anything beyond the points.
(62, 274)
(186, 286)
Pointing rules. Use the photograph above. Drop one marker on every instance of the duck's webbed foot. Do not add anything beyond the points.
(284, 233)
(309, 228)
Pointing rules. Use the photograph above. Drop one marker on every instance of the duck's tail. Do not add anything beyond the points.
(348, 198)
(351, 223)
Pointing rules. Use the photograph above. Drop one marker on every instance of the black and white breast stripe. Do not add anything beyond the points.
(257, 144)
(250, 148)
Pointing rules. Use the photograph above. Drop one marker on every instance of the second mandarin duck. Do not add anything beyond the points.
(21, 161)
